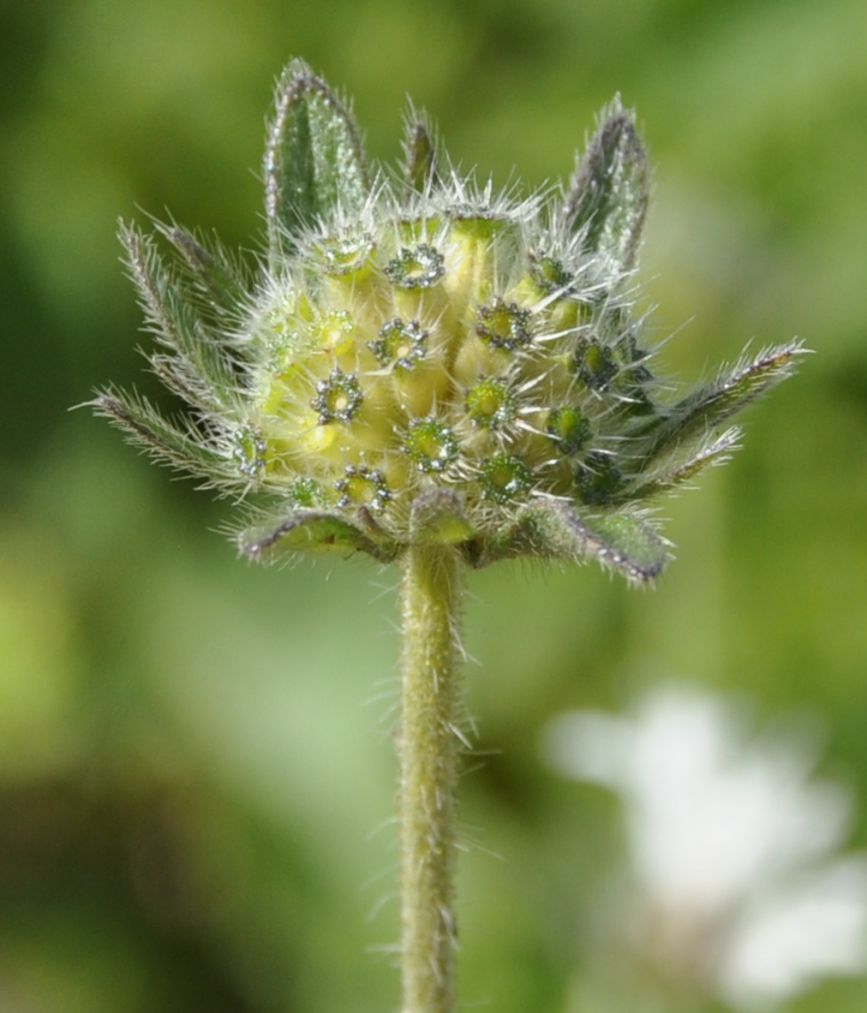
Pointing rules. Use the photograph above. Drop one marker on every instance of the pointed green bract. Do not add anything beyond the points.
(198, 367)
(606, 201)
(310, 531)
(420, 162)
(626, 543)
(710, 406)
(314, 159)
(712, 453)
(178, 446)
(219, 278)
(623, 542)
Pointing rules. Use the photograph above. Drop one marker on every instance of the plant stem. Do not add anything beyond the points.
(428, 748)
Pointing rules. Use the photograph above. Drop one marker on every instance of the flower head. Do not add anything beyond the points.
(736, 887)
(424, 358)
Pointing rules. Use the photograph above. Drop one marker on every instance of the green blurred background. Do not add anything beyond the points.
(196, 773)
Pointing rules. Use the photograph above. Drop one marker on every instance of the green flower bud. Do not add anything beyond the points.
(338, 398)
(249, 451)
(431, 445)
(595, 364)
(504, 325)
(401, 344)
(418, 267)
(345, 255)
(505, 478)
(491, 404)
(426, 334)
(548, 272)
(362, 486)
(598, 479)
(306, 493)
(568, 429)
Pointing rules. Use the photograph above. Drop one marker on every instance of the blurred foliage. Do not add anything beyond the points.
(194, 754)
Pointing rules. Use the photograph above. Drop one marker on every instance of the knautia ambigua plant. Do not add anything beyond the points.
(437, 374)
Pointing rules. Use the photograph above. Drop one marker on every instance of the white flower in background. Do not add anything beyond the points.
(736, 887)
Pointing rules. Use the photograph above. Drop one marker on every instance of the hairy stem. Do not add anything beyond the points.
(428, 759)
